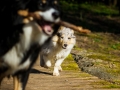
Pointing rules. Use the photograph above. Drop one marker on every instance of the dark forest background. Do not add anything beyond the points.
(96, 15)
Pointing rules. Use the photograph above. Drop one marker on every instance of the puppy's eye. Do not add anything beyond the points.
(69, 38)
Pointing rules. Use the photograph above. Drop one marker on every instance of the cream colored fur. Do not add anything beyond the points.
(58, 49)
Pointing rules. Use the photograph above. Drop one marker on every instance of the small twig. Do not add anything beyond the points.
(74, 27)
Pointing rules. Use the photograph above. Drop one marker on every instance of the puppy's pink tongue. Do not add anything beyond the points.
(48, 30)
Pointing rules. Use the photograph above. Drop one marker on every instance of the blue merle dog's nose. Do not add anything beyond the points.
(56, 14)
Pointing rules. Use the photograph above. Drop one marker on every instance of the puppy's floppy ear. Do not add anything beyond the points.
(55, 38)
(72, 31)
(72, 34)
(61, 27)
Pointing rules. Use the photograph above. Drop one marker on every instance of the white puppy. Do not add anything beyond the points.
(58, 49)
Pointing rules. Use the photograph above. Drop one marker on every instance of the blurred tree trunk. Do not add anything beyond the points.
(115, 2)
(112, 3)
(119, 6)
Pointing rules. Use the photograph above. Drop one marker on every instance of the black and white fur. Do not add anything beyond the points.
(21, 43)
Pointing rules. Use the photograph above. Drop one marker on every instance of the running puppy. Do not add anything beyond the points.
(58, 49)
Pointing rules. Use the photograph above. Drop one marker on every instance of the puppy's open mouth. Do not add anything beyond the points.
(46, 27)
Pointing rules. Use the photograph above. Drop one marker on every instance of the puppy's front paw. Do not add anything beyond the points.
(56, 73)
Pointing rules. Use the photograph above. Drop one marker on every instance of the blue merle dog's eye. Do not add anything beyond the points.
(55, 3)
(43, 5)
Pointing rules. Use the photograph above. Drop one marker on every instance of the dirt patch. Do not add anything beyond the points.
(42, 79)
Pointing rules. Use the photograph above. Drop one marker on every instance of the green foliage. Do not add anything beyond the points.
(115, 46)
(69, 6)
(99, 9)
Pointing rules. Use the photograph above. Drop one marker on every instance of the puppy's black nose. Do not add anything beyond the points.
(65, 45)
(56, 14)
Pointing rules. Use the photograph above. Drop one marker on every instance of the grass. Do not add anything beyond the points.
(110, 64)
(100, 56)
(77, 48)
(115, 46)
(104, 43)
(107, 85)
(99, 9)
(70, 64)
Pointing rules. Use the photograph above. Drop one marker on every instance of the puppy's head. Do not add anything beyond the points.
(65, 37)
(48, 11)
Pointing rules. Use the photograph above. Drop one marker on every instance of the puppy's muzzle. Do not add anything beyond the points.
(64, 46)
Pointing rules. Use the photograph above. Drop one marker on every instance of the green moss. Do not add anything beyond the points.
(115, 46)
(69, 58)
(106, 84)
(69, 63)
(115, 71)
(109, 63)
(112, 86)
(76, 48)
(102, 57)
(86, 75)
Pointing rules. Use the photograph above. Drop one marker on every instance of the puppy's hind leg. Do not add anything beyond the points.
(45, 62)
